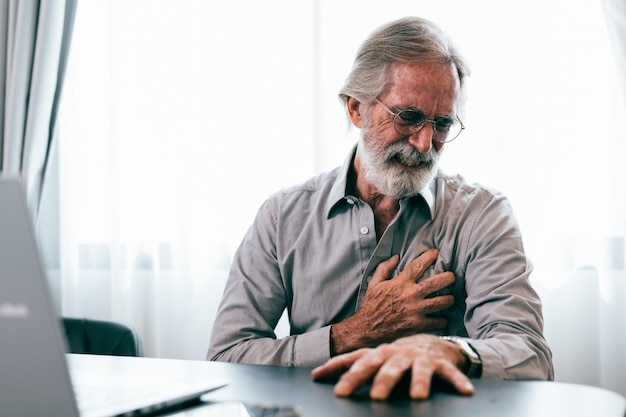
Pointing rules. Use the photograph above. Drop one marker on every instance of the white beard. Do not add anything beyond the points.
(382, 171)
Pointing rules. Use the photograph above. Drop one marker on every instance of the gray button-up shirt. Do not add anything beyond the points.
(312, 247)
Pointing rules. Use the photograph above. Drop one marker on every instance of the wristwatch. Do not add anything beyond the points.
(474, 363)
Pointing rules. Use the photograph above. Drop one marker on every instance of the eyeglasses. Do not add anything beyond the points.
(408, 122)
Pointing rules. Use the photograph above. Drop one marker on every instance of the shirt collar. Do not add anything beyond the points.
(338, 193)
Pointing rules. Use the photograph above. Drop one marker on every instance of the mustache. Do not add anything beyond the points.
(406, 151)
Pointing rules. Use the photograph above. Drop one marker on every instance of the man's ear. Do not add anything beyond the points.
(354, 112)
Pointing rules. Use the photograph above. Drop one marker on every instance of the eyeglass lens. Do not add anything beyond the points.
(445, 129)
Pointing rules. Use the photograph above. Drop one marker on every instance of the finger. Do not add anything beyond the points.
(388, 376)
(434, 304)
(421, 377)
(435, 283)
(337, 365)
(432, 323)
(450, 373)
(384, 269)
(416, 268)
(360, 373)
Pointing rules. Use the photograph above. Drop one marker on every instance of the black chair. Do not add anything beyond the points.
(101, 337)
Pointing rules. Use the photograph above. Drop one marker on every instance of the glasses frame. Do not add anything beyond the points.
(419, 127)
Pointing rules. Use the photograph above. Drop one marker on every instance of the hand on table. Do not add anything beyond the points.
(393, 308)
(425, 356)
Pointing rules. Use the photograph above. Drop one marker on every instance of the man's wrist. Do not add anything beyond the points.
(473, 363)
(347, 336)
(339, 340)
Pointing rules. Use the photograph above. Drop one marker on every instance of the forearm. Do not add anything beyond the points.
(506, 329)
(514, 356)
(243, 332)
(304, 350)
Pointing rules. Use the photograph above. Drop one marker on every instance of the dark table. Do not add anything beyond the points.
(256, 384)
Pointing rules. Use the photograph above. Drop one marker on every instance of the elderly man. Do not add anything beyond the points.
(386, 265)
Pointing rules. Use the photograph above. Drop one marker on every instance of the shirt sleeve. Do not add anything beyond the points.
(254, 300)
(503, 314)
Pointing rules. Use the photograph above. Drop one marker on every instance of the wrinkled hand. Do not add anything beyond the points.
(425, 356)
(393, 308)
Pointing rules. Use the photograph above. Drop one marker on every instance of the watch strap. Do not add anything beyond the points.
(474, 367)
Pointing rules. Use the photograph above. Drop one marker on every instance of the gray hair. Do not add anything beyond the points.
(407, 40)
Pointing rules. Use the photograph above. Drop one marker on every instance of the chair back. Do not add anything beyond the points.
(101, 337)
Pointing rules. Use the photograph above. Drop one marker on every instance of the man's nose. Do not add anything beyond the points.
(422, 140)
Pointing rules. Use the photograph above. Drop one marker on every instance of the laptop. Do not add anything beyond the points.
(34, 375)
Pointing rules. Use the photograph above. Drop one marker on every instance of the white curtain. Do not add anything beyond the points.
(615, 11)
(181, 117)
(34, 43)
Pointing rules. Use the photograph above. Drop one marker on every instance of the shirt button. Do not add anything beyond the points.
(350, 201)
(364, 230)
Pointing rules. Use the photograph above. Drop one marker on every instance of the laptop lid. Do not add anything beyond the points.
(34, 380)
(34, 376)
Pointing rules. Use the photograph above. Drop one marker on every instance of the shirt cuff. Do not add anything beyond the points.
(312, 348)
(493, 367)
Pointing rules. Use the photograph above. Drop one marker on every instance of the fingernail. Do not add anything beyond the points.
(342, 388)
(377, 393)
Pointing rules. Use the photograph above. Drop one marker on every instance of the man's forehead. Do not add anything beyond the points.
(424, 84)
(423, 73)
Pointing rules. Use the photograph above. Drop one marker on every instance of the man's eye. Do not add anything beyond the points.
(444, 124)
(411, 117)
